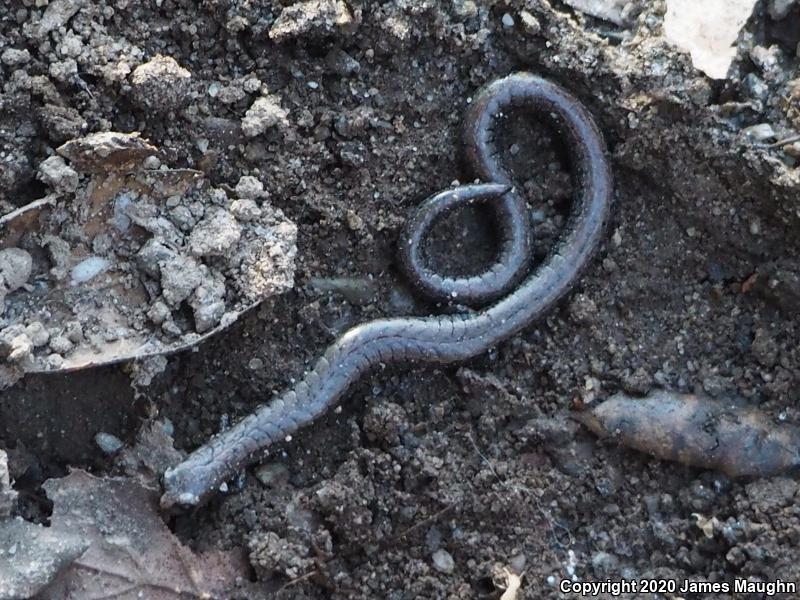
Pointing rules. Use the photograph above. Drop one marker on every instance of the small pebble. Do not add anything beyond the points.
(272, 475)
(108, 443)
(88, 269)
(759, 133)
(443, 561)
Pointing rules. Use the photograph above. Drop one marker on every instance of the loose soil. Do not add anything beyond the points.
(427, 481)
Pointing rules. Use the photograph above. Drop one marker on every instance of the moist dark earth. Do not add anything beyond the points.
(426, 482)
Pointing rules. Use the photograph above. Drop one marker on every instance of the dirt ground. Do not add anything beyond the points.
(428, 481)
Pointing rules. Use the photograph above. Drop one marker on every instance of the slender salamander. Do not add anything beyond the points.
(446, 338)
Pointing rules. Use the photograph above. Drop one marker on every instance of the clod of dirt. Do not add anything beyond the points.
(57, 14)
(129, 552)
(266, 112)
(160, 85)
(135, 265)
(14, 57)
(778, 282)
(15, 269)
(699, 432)
(215, 234)
(55, 173)
(271, 554)
(151, 455)
(313, 19)
(386, 422)
(107, 151)
(250, 188)
(346, 500)
(8, 497)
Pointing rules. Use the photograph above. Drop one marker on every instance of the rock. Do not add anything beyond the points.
(152, 453)
(73, 331)
(88, 269)
(443, 561)
(216, 234)
(160, 85)
(583, 309)
(107, 151)
(64, 71)
(263, 114)
(530, 23)
(183, 218)
(54, 361)
(759, 133)
(313, 19)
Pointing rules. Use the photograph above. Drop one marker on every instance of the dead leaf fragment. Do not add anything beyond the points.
(107, 151)
(32, 555)
(699, 432)
(131, 553)
(707, 30)
(706, 525)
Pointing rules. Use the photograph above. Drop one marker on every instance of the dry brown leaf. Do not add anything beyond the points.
(132, 554)
(107, 151)
(707, 30)
(32, 555)
(697, 431)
